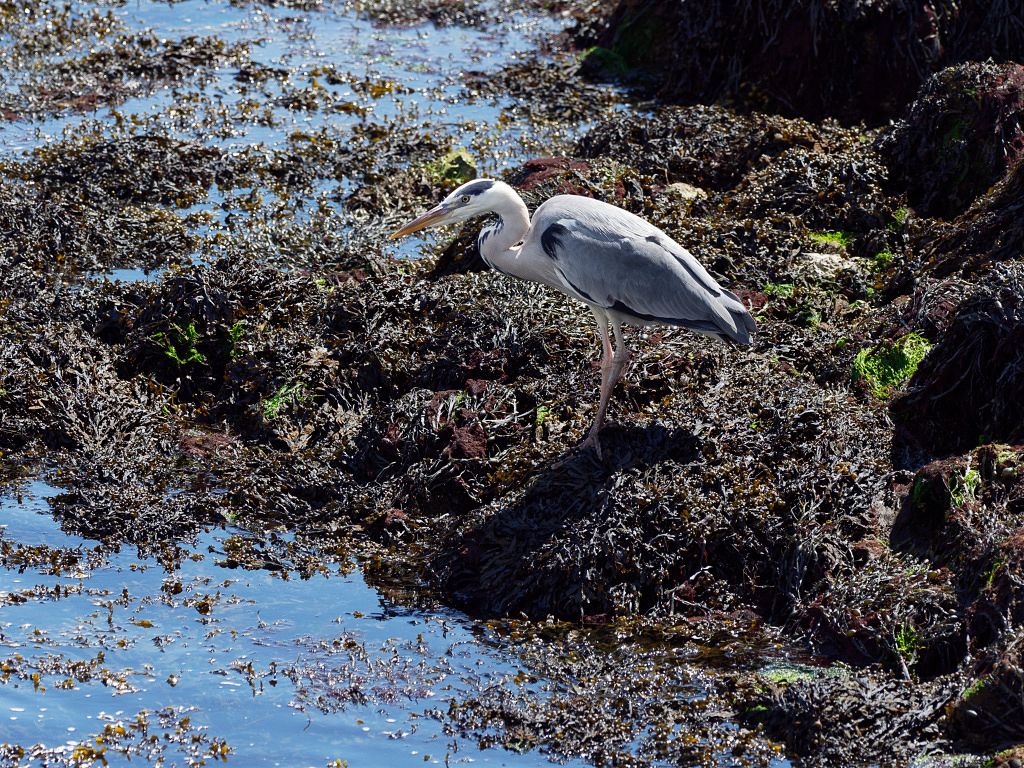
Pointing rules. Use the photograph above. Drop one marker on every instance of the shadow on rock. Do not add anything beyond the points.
(805, 58)
(990, 232)
(990, 713)
(570, 545)
(802, 712)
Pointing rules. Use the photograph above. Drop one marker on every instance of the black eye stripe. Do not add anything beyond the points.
(477, 187)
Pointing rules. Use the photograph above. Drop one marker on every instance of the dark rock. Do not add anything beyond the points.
(962, 515)
(469, 442)
(970, 387)
(566, 172)
(1000, 604)
(804, 712)
(992, 716)
(708, 146)
(990, 232)
(137, 169)
(839, 190)
(963, 132)
(855, 61)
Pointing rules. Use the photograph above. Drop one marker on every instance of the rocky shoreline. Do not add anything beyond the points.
(851, 486)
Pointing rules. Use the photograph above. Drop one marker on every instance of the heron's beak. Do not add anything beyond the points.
(434, 216)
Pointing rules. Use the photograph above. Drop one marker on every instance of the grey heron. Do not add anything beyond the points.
(622, 267)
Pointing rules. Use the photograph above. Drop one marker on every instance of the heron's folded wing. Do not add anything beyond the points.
(610, 258)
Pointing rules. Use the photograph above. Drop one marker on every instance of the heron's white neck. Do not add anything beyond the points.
(499, 243)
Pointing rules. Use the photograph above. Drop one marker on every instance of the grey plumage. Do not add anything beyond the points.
(624, 268)
(627, 266)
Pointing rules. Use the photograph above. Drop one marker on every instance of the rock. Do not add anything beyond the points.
(540, 171)
(861, 60)
(990, 232)
(992, 715)
(958, 511)
(963, 132)
(457, 167)
(801, 712)
(469, 442)
(708, 146)
(1000, 604)
(687, 193)
(969, 388)
(821, 267)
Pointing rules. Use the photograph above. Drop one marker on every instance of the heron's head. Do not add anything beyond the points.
(474, 198)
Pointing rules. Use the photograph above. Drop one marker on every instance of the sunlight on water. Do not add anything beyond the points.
(289, 672)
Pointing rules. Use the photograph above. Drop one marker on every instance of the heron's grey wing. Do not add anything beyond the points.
(617, 261)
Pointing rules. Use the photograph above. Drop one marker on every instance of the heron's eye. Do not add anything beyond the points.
(465, 198)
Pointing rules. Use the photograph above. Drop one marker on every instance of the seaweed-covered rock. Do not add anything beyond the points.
(856, 61)
(66, 231)
(990, 714)
(710, 146)
(890, 611)
(805, 711)
(838, 190)
(655, 529)
(999, 605)
(970, 386)
(956, 510)
(963, 132)
(140, 169)
(990, 232)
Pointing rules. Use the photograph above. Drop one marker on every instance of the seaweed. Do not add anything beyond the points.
(968, 385)
(961, 134)
(284, 375)
(808, 58)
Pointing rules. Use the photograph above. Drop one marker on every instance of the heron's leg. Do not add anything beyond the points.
(621, 357)
(606, 344)
(612, 366)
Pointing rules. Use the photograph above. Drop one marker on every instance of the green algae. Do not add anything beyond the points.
(886, 367)
(456, 167)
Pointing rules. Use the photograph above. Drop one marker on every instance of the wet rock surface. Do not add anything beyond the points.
(854, 61)
(822, 494)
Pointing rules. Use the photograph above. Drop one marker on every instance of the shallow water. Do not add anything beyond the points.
(325, 667)
(403, 79)
(422, 70)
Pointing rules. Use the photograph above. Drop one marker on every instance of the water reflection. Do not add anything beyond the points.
(288, 672)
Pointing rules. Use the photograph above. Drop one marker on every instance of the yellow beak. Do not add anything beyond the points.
(434, 216)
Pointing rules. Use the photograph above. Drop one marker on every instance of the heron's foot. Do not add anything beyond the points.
(592, 443)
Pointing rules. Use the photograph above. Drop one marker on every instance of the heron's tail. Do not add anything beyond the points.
(742, 325)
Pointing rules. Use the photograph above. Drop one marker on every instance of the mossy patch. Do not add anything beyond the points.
(779, 290)
(882, 260)
(839, 240)
(887, 367)
(457, 167)
(786, 673)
